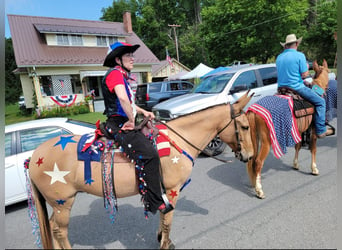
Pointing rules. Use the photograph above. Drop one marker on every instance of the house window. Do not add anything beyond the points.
(101, 41)
(62, 39)
(76, 40)
(112, 40)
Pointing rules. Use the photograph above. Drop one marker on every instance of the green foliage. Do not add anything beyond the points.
(221, 31)
(12, 82)
(63, 111)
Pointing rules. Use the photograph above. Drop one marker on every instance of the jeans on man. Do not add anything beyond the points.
(319, 102)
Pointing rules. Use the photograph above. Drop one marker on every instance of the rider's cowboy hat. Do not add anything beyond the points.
(291, 39)
(117, 49)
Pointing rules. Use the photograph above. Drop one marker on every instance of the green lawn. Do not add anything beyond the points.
(13, 115)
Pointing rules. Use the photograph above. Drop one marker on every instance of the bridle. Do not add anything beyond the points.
(233, 118)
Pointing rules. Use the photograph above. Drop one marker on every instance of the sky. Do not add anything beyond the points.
(75, 9)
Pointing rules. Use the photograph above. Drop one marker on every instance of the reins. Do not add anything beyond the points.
(221, 130)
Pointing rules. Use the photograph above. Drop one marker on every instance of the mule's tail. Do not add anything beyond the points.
(44, 225)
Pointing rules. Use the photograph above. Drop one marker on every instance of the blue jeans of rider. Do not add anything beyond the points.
(319, 102)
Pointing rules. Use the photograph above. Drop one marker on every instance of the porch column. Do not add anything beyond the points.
(39, 96)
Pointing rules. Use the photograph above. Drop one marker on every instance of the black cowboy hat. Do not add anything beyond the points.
(117, 50)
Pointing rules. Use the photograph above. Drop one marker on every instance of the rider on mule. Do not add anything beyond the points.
(121, 110)
(292, 69)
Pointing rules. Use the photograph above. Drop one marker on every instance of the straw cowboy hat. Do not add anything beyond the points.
(291, 39)
(117, 49)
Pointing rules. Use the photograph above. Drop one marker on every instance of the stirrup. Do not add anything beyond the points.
(168, 205)
(332, 128)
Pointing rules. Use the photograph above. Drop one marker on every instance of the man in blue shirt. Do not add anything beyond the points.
(292, 69)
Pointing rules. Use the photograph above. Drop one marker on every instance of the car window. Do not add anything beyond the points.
(268, 75)
(213, 83)
(155, 87)
(8, 144)
(247, 79)
(32, 138)
(172, 86)
(186, 85)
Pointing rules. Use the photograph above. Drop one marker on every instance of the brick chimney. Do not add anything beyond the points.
(127, 22)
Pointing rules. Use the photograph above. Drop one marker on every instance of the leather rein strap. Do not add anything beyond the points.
(233, 116)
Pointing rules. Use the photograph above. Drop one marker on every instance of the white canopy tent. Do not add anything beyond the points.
(197, 72)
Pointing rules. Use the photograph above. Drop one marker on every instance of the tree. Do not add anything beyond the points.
(13, 87)
(233, 29)
(320, 43)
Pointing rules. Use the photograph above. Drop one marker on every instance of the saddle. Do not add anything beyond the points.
(146, 127)
(301, 107)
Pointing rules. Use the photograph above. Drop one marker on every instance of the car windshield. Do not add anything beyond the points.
(213, 84)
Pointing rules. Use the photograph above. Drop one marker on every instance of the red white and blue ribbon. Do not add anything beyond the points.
(64, 100)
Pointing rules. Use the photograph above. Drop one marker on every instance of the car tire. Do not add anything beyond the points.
(215, 147)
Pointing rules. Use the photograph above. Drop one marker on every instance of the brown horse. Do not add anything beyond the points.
(56, 175)
(260, 134)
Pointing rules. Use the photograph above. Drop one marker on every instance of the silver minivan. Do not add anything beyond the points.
(222, 87)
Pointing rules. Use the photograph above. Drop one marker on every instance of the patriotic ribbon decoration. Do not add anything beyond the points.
(64, 100)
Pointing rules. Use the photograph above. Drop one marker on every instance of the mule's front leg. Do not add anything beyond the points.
(164, 231)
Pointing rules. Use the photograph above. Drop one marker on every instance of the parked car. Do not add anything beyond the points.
(20, 141)
(21, 102)
(222, 87)
(149, 94)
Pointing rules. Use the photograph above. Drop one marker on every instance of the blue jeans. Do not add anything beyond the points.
(319, 102)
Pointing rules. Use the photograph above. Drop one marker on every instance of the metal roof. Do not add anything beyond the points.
(31, 49)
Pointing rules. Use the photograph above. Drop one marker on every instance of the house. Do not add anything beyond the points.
(168, 70)
(60, 60)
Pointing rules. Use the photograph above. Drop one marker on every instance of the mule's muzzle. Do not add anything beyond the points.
(242, 157)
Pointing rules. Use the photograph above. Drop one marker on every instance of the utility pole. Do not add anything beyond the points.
(174, 26)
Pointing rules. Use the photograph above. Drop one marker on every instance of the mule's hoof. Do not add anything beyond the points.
(295, 167)
(159, 236)
(315, 173)
(172, 246)
(261, 196)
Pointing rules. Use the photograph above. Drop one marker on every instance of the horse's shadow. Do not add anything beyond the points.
(130, 229)
(235, 174)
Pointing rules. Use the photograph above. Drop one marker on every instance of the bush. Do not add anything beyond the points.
(63, 111)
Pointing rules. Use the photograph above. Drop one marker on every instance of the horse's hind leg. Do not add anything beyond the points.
(59, 223)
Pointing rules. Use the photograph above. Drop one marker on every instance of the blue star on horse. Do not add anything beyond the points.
(64, 141)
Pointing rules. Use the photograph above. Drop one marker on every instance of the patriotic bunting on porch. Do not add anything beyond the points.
(64, 100)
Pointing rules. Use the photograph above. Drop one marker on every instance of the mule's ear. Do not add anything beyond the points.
(243, 100)
(325, 64)
(315, 66)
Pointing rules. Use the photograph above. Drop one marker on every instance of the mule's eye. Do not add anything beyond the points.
(245, 127)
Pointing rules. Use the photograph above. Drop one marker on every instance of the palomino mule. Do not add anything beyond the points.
(57, 175)
(261, 134)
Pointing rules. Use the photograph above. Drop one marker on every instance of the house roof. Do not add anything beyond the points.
(164, 63)
(31, 49)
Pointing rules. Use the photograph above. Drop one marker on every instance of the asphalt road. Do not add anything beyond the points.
(218, 209)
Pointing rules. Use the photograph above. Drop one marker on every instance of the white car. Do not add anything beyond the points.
(20, 141)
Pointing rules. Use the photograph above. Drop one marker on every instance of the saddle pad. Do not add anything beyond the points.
(92, 153)
(331, 100)
(163, 145)
(277, 111)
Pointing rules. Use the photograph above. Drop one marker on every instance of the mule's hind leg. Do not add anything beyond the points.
(59, 223)
(313, 150)
(295, 159)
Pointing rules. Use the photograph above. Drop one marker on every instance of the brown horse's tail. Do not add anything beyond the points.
(44, 225)
(255, 140)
